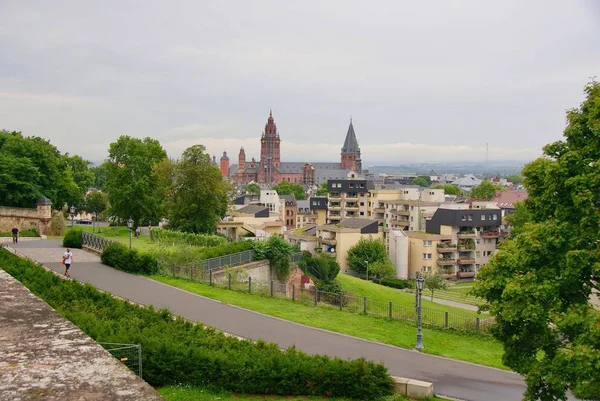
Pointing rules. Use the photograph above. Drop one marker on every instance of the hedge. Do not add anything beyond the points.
(31, 232)
(179, 352)
(178, 238)
(397, 283)
(73, 239)
(122, 258)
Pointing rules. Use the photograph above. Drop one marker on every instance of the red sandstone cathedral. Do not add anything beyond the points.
(271, 170)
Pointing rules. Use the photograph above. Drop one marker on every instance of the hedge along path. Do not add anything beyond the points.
(176, 351)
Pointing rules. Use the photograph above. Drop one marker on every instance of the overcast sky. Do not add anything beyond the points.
(423, 80)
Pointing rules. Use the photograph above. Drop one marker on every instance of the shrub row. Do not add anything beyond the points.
(179, 352)
(179, 238)
(397, 283)
(30, 232)
(73, 239)
(122, 258)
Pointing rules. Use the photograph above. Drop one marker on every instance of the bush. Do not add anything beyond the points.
(57, 224)
(31, 232)
(176, 351)
(120, 257)
(181, 238)
(73, 239)
(277, 251)
(397, 283)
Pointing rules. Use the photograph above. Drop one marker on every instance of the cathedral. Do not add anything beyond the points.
(271, 170)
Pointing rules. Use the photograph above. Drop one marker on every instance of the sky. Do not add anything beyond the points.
(424, 81)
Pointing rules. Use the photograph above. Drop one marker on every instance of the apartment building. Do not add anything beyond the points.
(343, 197)
(289, 211)
(312, 211)
(456, 242)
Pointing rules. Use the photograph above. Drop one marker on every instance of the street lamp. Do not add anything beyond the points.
(130, 225)
(367, 262)
(420, 283)
(98, 223)
(93, 219)
(72, 210)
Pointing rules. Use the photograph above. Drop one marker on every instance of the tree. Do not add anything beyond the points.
(382, 268)
(322, 190)
(96, 202)
(323, 269)
(130, 185)
(449, 189)
(514, 178)
(278, 252)
(163, 174)
(519, 218)
(199, 199)
(289, 188)
(253, 188)
(19, 181)
(486, 190)
(538, 285)
(422, 181)
(366, 251)
(434, 282)
(100, 175)
(82, 175)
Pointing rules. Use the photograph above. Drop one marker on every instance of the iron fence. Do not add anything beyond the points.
(129, 354)
(95, 242)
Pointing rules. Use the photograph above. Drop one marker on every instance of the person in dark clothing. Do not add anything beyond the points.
(15, 235)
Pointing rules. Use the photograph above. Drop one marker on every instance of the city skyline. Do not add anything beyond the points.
(423, 82)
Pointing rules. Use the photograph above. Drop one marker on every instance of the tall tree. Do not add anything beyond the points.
(163, 173)
(289, 188)
(449, 189)
(96, 202)
(82, 175)
(434, 282)
(485, 190)
(130, 186)
(515, 179)
(366, 252)
(422, 181)
(200, 194)
(100, 175)
(322, 190)
(252, 188)
(538, 285)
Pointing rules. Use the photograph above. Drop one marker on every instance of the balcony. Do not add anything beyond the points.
(447, 249)
(379, 210)
(351, 207)
(395, 223)
(448, 276)
(465, 235)
(466, 261)
(403, 212)
(465, 274)
(490, 234)
(336, 207)
(446, 261)
(334, 198)
(348, 196)
(329, 241)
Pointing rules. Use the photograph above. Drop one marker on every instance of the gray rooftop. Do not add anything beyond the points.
(288, 199)
(355, 223)
(351, 143)
(252, 209)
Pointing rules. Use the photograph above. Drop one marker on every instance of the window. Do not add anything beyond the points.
(478, 242)
(427, 256)
(426, 243)
(426, 269)
(351, 186)
(412, 218)
(361, 185)
(494, 217)
(477, 254)
(483, 217)
(469, 217)
(362, 203)
(362, 213)
(412, 208)
(489, 217)
(463, 217)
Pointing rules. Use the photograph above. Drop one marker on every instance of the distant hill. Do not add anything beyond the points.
(493, 168)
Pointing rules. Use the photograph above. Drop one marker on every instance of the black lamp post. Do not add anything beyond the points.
(130, 225)
(93, 221)
(72, 210)
(420, 283)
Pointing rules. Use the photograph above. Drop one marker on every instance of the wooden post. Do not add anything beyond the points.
(390, 315)
(271, 290)
(365, 305)
(250, 285)
(229, 277)
(293, 292)
(315, 296)
(210, 278)
(341, 300)
(446, 319)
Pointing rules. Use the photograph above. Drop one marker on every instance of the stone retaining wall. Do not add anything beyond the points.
(24, 219)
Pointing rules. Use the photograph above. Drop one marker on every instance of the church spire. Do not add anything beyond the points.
(351, 143)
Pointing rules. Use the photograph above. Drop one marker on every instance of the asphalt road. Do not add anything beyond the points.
(450, 377)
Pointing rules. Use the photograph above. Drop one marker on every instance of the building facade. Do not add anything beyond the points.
(269, 169)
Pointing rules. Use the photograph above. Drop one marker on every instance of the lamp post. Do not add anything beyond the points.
(93, 219)
(98, 223)
(367, 262)
(130, 225)
(420, 283)
(72, 210)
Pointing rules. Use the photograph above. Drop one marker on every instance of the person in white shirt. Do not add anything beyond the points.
(67, 260)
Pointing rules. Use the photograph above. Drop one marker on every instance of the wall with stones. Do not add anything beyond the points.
(24, 219)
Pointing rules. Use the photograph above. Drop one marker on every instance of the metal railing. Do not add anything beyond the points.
(129, 354)
(95, 242)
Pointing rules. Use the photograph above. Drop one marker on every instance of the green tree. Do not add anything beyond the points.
(19, 181)
(289, 188)
(163, 174)
(434, 282)
(382, 268)
(515, 179)
(519, 218)
(199, 199)
(100, 175)
(82, 175)
(486, 190)
(538, 285)
(130, 186)
(253, 188)
(449, 189)
(422, 181)
(96, 202)
(278, 252)
(366, 251)
(323, 269)
(322, 190)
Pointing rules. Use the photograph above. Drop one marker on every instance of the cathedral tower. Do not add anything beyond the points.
(270, 155)
(351, 151)
(224, 165)
(241, 161)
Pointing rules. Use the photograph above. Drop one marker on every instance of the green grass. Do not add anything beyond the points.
(470, 347)
(142, 243)
(364, 288)
(185, 393)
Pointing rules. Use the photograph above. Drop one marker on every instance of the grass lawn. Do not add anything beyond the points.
(184, 393)
(363, 288)
(468, 347)
(142, 243)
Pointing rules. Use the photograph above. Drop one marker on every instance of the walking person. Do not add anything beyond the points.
(67, 260)
(15, 235)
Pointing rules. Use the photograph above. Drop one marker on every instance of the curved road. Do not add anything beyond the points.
(450, 377)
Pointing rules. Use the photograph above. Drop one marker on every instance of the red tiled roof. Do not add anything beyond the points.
(507, 199)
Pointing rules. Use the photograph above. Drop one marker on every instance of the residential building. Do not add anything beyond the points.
(338, 238)
(456, 242)
(343, 197)
(270, 199)
(271, 169)
(397, 247)
(289, 210)
(506, 200)
(246, 199)
(407, 215)
(467, 182)
(248, 220)
(312, 211)
(305, 238)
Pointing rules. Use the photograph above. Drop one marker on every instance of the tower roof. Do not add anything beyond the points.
(351, 144)
(224, 157)
(270, 127)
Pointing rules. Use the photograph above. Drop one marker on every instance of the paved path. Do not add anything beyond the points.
(451, 378)
(453, 303)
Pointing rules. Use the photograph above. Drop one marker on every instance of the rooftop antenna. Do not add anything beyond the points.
(486, 159)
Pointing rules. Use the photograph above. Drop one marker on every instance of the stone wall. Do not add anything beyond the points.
(24, 219)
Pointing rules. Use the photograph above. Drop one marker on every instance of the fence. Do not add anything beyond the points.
(129, 354)
(241, 281)
(95, 242)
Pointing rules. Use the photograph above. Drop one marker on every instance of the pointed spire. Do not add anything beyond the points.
(351, 143)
